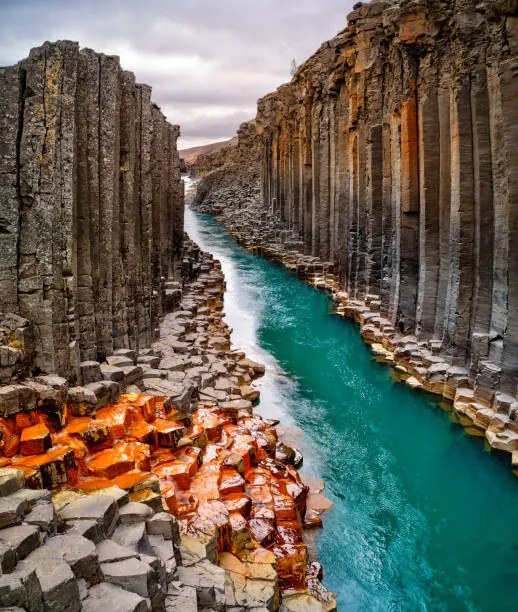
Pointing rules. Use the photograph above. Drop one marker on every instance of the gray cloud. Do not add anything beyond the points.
(208, 61)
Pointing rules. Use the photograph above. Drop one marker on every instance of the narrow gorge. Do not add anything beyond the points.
(387, 168)
(202, 351)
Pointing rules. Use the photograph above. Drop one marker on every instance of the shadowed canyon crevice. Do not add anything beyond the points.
(390, 158)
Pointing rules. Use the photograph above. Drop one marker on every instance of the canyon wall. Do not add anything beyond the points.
(391, 155)
(91, 211)
(231, 175)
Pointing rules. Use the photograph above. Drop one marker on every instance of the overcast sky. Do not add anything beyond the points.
(208, 61)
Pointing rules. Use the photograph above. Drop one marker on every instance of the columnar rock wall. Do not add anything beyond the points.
(234, 172)
(91, 210)
(391, 155)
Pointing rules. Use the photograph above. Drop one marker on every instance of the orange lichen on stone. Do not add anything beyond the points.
(131, 479)
(413, 26)
(215, 471)
(9, 439)
(56, 467)
(34, 440)
(116, 417)
(109, 463)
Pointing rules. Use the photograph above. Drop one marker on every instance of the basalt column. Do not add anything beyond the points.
(394, 146)
(91, 206)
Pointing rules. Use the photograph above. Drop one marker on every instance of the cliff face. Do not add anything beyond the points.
(390, 155)
(232, 174)
(91, 210)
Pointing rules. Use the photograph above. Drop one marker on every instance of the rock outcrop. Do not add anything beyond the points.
(91, 212)
(388, 162)
(232, 174)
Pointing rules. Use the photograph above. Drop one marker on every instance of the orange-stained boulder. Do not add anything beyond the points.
(109, 463)
(35, 440)
(9, 439)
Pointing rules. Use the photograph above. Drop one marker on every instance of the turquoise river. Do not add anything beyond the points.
(424, 517)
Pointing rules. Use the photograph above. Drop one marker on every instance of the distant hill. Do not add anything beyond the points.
(190, 155)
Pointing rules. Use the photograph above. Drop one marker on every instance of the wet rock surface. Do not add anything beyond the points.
(381, 173)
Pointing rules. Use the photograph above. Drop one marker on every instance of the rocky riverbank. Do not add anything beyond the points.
(165, 493)
(420, 364)
(384, 171)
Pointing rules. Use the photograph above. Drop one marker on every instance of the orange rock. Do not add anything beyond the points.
(288, 532)
(207, 421)
(262, 530)
(54, 421)
(291, 566)
(142, 432)
(204, 483)
(109, 463)
(63, 440)
(238, 502)
(223, 479)
(177, 471)
(169, 432)
(131, 479)
(57, 466)
(93, 484)
(262, 512)
(231, 482)
(94, 433)
(35, 440)
(22, 420)
(161, 455)
(9, 439)
(285, 508)
(260, 495)
(116, 417)
(33, 478)
(135, 451)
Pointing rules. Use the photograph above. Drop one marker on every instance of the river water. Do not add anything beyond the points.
(424, 518)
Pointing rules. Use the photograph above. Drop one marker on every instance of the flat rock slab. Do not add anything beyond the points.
(301, 602)
(43, 516)
(208, 580)
(12, 509)
(163, 524)
(130, 536)
(134, 512)
(87, 528)
(21, 588)
(100, 508)
(77, 551)
(58, 583)
(11, 480)
(181, 597)
(236, 405)
(109, 551)
(106, 597)
(23, 539)
(8, 558)
(133, 575)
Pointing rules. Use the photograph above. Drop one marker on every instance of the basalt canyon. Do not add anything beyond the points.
(140, 466)
(385, 172)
